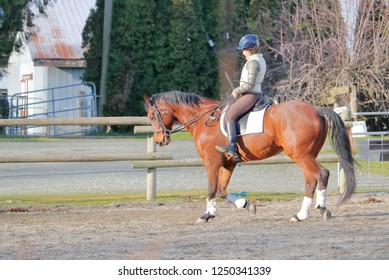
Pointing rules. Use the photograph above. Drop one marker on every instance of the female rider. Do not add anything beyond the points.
(247, 93)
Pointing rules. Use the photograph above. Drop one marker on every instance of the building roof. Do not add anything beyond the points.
(56, 36)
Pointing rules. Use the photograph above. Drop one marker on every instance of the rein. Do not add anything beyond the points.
(167, 132)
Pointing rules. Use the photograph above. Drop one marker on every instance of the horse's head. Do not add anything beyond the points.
(162, 120)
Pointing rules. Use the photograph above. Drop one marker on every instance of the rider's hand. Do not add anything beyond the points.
(235, 95)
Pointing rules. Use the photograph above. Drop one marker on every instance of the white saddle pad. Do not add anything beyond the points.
(248, 124)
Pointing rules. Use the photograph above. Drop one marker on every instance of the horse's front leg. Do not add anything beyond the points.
(212, 169)
(224, 179)
(225, 174)
(218, 178)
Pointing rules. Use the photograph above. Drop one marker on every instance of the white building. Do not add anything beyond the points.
(51, 59)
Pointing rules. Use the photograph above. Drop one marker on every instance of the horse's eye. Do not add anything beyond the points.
(151, 117)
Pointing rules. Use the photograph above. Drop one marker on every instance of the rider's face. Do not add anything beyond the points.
(246, 53)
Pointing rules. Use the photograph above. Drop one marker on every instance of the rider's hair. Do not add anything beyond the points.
(254, 49)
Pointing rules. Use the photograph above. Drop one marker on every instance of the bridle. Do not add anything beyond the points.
(158, 117)
(167, 132)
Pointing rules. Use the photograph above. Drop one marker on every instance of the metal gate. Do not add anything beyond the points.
(372, 153)
(71, 101)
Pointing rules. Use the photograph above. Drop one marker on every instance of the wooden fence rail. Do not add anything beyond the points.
(152, 165)
(198, 162)
(77, 121)
(39, 157)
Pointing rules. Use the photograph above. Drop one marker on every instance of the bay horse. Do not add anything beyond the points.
(296, 128)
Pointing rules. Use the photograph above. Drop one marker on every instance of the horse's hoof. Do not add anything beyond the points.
(294, 219)
(204, 219)
(251, 207)
(325, 214)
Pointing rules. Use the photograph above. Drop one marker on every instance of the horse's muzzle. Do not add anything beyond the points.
(165, 141)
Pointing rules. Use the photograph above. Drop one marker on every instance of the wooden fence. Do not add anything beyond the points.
(150, 154)
(152, 165)
(151, 160)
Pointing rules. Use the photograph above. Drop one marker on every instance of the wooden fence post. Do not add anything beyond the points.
(151, 180)
(151, 187)
(346, 117)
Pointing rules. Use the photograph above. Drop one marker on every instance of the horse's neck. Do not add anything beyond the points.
(188, 115)
(185, 113)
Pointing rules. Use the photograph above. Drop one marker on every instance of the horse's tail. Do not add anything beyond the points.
(340, 142)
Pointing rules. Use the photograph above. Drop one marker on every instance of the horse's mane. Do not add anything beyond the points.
(180, 98)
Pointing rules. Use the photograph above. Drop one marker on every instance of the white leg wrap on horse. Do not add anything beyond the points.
(239, 202)
(321, 198)
(304, 212)
(211, 206)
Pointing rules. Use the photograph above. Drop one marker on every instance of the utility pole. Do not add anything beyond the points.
(108, 6)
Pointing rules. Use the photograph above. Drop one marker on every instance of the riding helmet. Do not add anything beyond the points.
(248, 41)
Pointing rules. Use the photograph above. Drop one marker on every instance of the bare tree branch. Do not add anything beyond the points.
(310, 43)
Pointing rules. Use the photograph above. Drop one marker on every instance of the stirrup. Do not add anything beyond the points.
(234, 155)
(230, 151)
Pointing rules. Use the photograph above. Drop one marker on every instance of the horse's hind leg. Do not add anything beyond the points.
(242, 203)
(310, 185)
(313, 173)
(321, 194)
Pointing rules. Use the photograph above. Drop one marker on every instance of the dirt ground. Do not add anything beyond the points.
(144, 230)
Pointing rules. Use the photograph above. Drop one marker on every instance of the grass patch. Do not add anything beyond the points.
(70, 199)
(87, 199)
(273, 196)
(375, 167)
(182, 136)
(327, 151)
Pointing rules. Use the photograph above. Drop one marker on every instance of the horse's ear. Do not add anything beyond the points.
(147, 100)
(147, 103)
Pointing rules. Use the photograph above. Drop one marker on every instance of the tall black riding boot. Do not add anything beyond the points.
(231, 149)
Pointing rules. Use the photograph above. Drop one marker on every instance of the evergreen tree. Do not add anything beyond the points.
(155, 46)
(16, 13)
(162, 63)
(92, 40)
(208, 76)
(137, 23)
(194, 63)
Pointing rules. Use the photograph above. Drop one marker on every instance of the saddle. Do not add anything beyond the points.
(252, 120)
